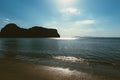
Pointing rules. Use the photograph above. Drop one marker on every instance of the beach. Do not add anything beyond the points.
(16, 70)
(11, 69)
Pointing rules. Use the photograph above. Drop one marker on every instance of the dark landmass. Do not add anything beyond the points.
(13, 31)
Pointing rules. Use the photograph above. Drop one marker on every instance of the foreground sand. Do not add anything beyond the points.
(17, 70)
(11, 69)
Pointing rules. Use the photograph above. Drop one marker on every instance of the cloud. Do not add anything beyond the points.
(78, 28)
(85, 22)
(7, 20)
(70, 10)
(71, 32)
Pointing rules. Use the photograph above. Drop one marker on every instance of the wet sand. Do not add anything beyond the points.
(17, 70)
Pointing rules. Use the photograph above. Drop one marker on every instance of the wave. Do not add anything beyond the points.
(37, 57)
(70, 59)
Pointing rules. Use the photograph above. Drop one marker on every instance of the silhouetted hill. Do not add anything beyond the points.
(13, 31)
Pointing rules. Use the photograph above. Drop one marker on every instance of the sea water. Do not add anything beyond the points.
(94, 56)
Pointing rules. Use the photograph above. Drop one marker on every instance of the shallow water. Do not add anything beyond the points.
(93, 56)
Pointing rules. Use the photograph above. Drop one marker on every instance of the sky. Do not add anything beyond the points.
(96, 18)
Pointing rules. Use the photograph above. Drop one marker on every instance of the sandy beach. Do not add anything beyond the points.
(17, 70)
(11, 69)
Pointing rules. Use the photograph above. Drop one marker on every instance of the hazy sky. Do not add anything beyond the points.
(70, 17)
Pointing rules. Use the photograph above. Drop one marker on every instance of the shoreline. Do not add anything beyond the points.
(12, 69)
(18, 70)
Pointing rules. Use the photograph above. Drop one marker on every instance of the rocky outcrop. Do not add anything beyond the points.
(13, 31)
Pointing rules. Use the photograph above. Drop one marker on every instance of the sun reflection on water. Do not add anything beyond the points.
(65, 38)
(65, 71)
(69, 58)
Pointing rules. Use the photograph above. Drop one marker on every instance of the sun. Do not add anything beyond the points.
(65, 1)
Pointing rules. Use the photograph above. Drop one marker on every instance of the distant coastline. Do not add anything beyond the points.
(11, 30)
(98, 37)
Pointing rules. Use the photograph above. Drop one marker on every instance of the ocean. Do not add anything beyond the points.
(99, 57)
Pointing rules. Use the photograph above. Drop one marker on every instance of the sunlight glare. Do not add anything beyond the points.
(69, 58)
(65, 38)
(65, 1)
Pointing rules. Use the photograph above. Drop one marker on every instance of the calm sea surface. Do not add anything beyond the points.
(94, 56)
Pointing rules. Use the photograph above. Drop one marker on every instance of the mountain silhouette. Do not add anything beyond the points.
(13, 31)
